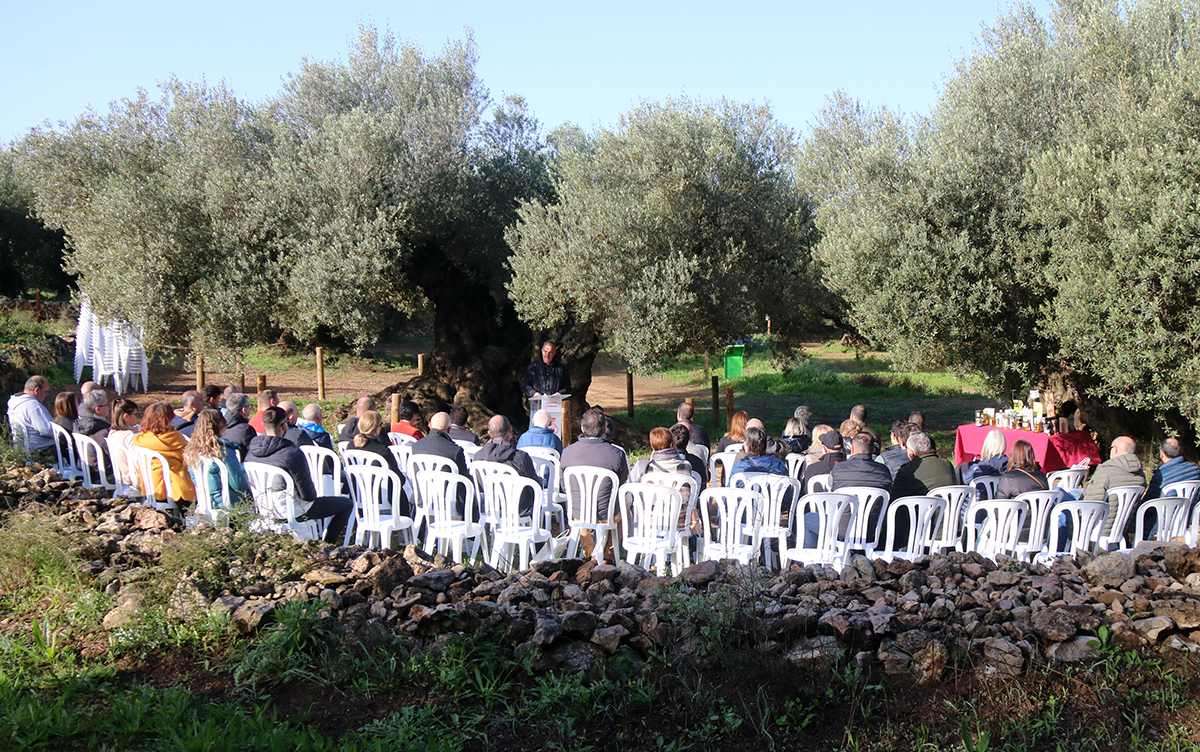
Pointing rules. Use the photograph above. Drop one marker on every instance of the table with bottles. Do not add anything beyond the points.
(1054, 451)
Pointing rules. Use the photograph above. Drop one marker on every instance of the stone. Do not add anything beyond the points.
(186, 602)
(815, 653)
(699, 575)
(1184, 618)
(253, 614)
(604, 572)
(365, 562)
(392, 572)
(893, 659)
(577, 657)
(1076, 650)
(1054, 625)
(1175, 642)
(1153, 627)
(609, 638)
(1002, 579)
(579, 624)
(880, 617)
(258, 589)
(972, 570)
(1110, 570)
(434, 579)
(1001, 659)
(325, 577)
(929, 663)
(332, 597)
(130, 605)
(864, 567)
(512, 595)
(149, 518)
(547, 629)
(835, 619)
(912, 580)
(225, 605)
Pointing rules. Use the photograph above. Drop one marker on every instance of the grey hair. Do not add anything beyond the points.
(93, 399)
(236, 401)
(498, 426)
(919, 443)
(311, 412)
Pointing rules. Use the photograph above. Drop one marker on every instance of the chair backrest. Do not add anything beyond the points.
(927, 516)
(150, 465)
(469, 453)
(503, 493)
(820, 483)
(650, 510)
(342, 446)
(323, 462)
(1087, 520)
(481, 470)
(403, 454)
(549, 471)
(776, 491)
(439, 491)
(733, 509)
(985, 486)
(370, 488)
(733, 448)
(584, 486)
(795, 464)
(421, 462)
(542, 451)
(958, 498)
(700, 451)
(466, 444)
(999, 531)
(362, 457)
(1041, 504)
(1127, 498)
(401, 438)
(1066, 479)
(90, 456)
(64, 449)
(205, 504)
(120, 453)
(1171, 513)
(678, 481)
(1186, 488)
(274, 492)
(725, 460)
(868, 518)
(835, 512)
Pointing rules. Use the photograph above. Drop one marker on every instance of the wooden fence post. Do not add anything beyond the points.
(706, 370)
(566, 423)
(420, 364)
(728, 407)
(242, 382)
(690, 400)
(262, 383)
(320, 373)
(716, 403)
(629, 392)
(395, 408)
(199, 373)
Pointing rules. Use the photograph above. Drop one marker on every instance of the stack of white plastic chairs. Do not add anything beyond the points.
(114, 350)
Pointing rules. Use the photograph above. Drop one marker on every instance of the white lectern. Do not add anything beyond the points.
(553, 404)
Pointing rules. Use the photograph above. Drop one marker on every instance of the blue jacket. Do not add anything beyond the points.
(540, 437)
(239, 484)
(764, 464)
(1172, 471)
(995, 466)
(316, 433)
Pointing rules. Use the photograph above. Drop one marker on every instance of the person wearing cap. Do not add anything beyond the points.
(860, 469)
(831, 445)
(924, 470)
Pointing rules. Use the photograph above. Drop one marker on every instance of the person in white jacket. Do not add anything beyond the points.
(27, 415)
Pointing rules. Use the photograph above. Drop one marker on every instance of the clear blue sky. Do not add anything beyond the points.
(580, 62)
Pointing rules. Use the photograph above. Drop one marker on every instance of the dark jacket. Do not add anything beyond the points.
(507, 454)
(439, 444)
(1171, 471)
(698, 467)
(699, 433)
(298, 436)
(349, 430)
(796, 444)
(764, 464)
(1016, 482)
(93, 426)
(596, 452)
(376, 445)
(823, 466)
(240, 432)
(861, 470)
(283, 454)
(894, 458)
(921, 475)
(992, 466)
(547, 379)
(185, 427)
(462, 433)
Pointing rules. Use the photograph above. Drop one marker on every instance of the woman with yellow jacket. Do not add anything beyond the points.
(157, 434)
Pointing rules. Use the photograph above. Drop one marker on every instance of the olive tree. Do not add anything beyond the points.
(30, 254)
(677, 231)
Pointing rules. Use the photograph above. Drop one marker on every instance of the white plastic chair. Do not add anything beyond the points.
(466, 445)
(421, 462)
(734, 448)
(872, 503)
(834, 511)
(1127, 499)
(583, 487)
(120, 453)
(927, 515)
(372, 489)
(1041, 508)
(985, 487)
(541, 451)
(680, 481)
(66, 464)
(958, 498)
(650, 521)
(403, 454)
(998, 533)
(145, 460)
(363, 457)
(734, 532)
(512, 529)
(216, 514)
(795, 465)
(401, 438)
(274, 495)
(775, 491)
(89, 454)
(1087, 520)
(549, 472)
(481, 470)
(820, 483)
(1171, 512)
(342, 446)
(1068, 480)
(440, 492)
(325, 469)
(726, 461)
(1190, 489)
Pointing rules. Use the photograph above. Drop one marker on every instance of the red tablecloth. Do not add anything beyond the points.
(1053, 452)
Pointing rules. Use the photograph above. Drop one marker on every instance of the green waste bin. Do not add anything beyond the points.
(734, 361)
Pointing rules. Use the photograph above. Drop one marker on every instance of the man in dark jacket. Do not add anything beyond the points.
(458, 426)
(860, 469)
(684, 414)
(310, 423)
(238, 428)
(295, 433)
(185, 417)
(350, 429)
(439, 443)
(591, 450)
(896, 455)
(681, 437)
(500, 448)
(547, 375)
(93, 416)
(831, 443)
(271, 448)
(925, 470)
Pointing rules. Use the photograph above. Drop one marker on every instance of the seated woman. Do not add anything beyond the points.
(66, 410)
(992, 458)
(757, 460)
(1023, 473)
(795, 436)
(737, 430)
(124, 426)
(368, 440)
(664, 457)
(157, 434)
(206, 442)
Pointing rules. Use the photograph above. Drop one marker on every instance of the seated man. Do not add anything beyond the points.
(500, 448)
(266, 398)
(225, 393)
(681, 438)
(458, 426)
(591, 450)
(1123, 468)
(859, 469)
(1174, 468)
(896, 455)
(408, 412)
(185, 417)
(831, 445)
(271, 448)
(756, 459)
(29, 419)
(684, 414)
(539, 434)
(350, 429)
(211, 394)
(295, 433)
(924, 471)
(93, 417)
(439, 443)
(310, 423)
(238, 428)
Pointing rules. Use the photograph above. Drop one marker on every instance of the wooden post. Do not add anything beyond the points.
(262, 383)
(728, 407)
(420, 364)
(199, 373)
(690, 400)
(320, 373)
(706, 371)
(629, 392)
(395, 408)
(716, 403)
(242, 382)
(37, 306)
(567, 431)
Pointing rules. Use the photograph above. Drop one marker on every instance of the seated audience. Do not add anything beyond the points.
(158, 435)
(757, 459)
(924, 471)
(831, 447)
(540, 434)
(664, 457)
(439, 443)
(1123, 468)
(685, 414)
(266, 398)
(29, 419)
(237, 423)
(350, 429)
(850, 428)
(500, 448)
(816, 450)
(896, 455)
(737, 430)
(295, 433)
(185, 417)
(206, 443)
(681, 439)
(66, 410)
(124, 424)
(795, 436)
(409, 412)
(1023, 474)
(368, 439)
(310, 423)
(211, 394)
(858, 413)
(992, 458)
(458, 426)
(591, 450)
(860, 469)
(1174, 468)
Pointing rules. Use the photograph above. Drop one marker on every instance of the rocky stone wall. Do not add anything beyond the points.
(998, 619)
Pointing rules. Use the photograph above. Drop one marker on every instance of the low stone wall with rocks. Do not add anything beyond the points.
(959, 609)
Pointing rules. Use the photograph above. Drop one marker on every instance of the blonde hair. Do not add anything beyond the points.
(818, 432)
(205, 441)
(995, 445)
(850, 428)
(368, 425)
